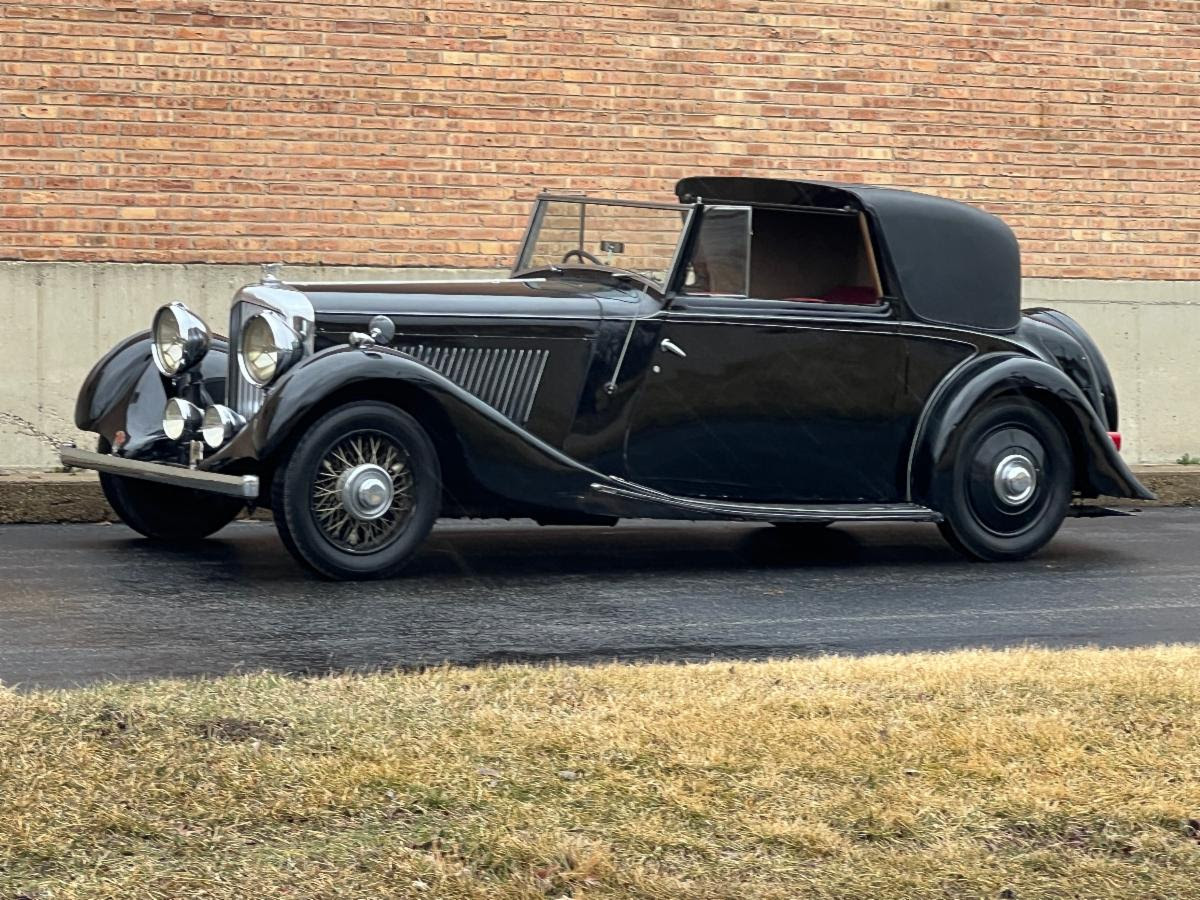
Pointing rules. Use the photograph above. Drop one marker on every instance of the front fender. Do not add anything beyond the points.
(501, 456)
(124, 391)
(1099, 468)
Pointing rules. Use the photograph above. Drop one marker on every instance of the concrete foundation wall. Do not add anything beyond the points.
(57, 319)
(1149, 333)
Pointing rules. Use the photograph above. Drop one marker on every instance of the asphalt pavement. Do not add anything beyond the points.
(80, 603)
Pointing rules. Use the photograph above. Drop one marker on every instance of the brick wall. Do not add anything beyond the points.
(415, 133)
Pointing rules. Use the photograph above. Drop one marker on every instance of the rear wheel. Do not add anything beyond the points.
(163, 512)
(1010, 486)
(359, 493)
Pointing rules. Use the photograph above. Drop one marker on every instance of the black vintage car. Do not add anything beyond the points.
(798, 353)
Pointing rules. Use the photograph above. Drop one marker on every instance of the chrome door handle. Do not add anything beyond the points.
(671, 347)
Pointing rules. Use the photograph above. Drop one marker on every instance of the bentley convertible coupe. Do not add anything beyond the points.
(797, 353)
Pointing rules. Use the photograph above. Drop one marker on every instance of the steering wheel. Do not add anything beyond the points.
(583, 255)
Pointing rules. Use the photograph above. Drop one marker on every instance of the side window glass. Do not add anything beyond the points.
(720, 260)
(813, 257)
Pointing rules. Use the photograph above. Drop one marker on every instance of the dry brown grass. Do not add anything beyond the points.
(1016, 774)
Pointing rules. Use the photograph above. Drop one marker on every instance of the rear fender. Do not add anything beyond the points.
(497, 453)
(1099, 469)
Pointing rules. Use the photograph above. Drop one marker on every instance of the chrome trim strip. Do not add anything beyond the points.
(244, 487)
(451, 316)
(833, 325)
(827, 512)
(803, 316)
(303, 286)
(608, 201)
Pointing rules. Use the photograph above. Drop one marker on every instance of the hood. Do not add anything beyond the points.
(356, 302)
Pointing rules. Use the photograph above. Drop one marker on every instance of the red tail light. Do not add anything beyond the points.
(1116, 439)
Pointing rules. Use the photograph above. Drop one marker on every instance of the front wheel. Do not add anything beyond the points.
(164, 512)
(359, 493)
(1008, 491)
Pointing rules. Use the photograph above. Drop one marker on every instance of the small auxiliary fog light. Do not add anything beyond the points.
(181, 419)
(220, 423)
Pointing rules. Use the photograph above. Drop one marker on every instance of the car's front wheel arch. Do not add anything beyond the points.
(401, 395)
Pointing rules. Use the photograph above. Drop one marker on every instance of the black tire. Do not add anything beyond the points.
(317, 522)
(163, 512)
(988, 516)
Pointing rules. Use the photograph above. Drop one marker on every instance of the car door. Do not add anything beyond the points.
(756, 403)
(777, 373)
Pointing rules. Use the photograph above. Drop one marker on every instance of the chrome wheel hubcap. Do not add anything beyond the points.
(367, 491)
(1015, 479)
(362, 495)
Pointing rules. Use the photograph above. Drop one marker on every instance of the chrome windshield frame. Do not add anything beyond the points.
(534, 223)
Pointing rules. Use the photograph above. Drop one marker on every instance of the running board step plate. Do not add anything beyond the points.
(627, 499)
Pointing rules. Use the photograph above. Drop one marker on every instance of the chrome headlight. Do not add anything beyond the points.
(219, 425)
(269, 346)
(181, 419)
(180, 339)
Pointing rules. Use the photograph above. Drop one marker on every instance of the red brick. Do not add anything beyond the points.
(416, 133)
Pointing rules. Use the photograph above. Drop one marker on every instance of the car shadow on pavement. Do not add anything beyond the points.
(518, 551)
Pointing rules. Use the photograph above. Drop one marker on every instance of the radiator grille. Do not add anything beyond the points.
(506, 379)
(242, 396)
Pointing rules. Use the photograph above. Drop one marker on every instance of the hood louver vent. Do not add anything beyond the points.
(503, 378)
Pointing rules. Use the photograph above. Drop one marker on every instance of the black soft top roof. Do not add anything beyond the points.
(951, 263)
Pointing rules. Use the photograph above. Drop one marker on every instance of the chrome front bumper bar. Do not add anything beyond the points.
(244, 487)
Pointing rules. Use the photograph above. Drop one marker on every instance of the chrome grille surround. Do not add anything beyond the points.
(505, 378)
(242, 396)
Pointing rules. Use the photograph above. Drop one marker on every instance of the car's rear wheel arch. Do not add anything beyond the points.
(1068, 421)
(932, 458)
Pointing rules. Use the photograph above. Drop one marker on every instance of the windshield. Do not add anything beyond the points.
(636, 238)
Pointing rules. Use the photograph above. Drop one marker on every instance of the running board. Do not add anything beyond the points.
(626, 499)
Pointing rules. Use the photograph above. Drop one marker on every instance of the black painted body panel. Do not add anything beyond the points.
(767, 402)
(125, 392)
(772, 411)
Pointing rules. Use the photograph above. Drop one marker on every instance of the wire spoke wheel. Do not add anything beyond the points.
(362, 494)
(358, 493)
